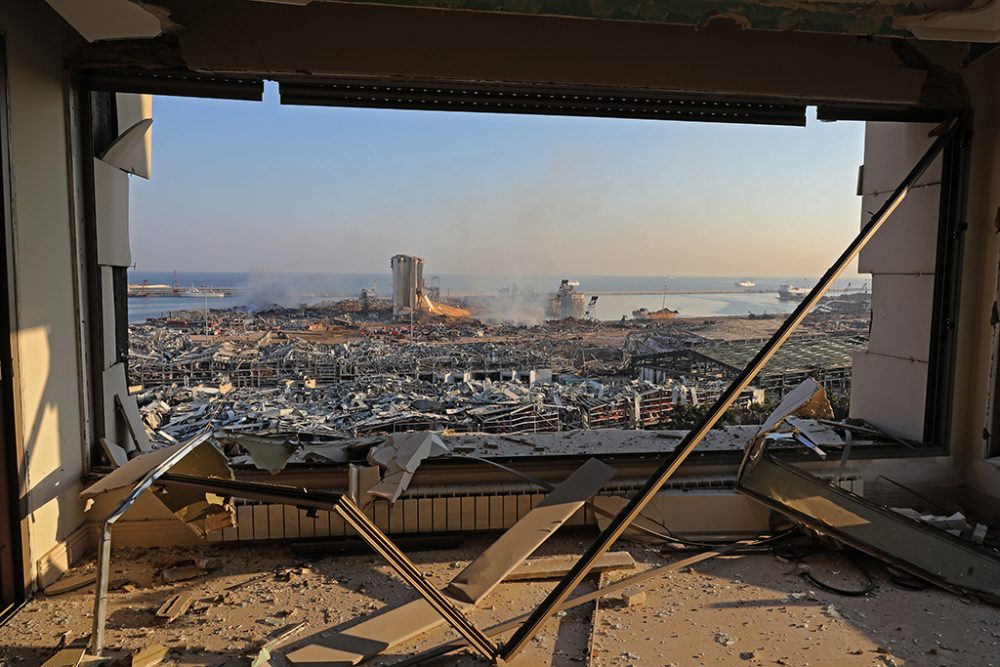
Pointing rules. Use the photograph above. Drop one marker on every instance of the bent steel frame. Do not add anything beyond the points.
(642, 498)
(104, 548)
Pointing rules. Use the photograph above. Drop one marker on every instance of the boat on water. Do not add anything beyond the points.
(654, 315)
(792, 293)
(200, 292)
(746, 283)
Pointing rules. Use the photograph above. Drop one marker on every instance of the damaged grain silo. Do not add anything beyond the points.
(407, 283)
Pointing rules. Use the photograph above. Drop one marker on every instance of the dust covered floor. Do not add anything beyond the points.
(737, 610)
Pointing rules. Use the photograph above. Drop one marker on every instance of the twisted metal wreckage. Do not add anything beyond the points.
(202, 501)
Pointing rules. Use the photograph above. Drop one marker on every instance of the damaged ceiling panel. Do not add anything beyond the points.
(841, 17)
(381, 45)
(109, 19)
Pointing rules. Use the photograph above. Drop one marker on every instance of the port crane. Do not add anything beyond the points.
(591, 307)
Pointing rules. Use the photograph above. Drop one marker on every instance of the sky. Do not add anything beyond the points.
(261, 187)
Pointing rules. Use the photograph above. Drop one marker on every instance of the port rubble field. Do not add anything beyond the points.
(319, 376)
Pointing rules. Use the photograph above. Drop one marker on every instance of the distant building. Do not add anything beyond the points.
(567, 302)
(407, 283)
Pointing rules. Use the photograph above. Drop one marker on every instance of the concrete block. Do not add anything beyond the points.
(468, 513)
(907, 242)
(891, 151)
(509, 511)
(276, 521)
(380, 515)
(244, 522)
(482, 513)
(453, 514)
(396, 517)
(496, 513)
(321, 525)
(307, 524)
(439, 515)
(425, 515)
(890, 393)
(290, 520)
(901, 315)
(261, 530)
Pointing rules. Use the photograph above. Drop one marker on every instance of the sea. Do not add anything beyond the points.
(718, 295)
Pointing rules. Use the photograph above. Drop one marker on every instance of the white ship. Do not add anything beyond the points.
(746, 283)
(792, 293)
(201, 292)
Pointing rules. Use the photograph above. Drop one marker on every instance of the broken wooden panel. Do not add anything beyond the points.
(68, 657)
(398, 624)
(111, 202)
(128, 152)
(501, 557)
(175, 606)
(557, 566)
(116, 455)
(150, 656)
(928, 553)
(201, 512)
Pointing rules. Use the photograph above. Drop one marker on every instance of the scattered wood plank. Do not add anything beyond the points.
(68, 657)
(175, 606)
(116, 455)
(150, 656)
(522, 539)
(65, 584)
(182, 573)
(556, 566)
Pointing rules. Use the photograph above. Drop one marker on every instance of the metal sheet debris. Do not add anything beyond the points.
(931, 554)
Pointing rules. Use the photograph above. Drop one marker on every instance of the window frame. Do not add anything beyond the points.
(951, 221)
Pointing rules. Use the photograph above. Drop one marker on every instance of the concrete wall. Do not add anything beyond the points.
(976, 361)
(43, 257)
(890, 379)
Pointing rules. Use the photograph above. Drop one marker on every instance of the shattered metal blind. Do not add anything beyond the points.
(544, 101)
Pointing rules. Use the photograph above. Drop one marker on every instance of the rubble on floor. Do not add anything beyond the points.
(759, 602)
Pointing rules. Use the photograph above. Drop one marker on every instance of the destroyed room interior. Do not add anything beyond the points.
(406, 472)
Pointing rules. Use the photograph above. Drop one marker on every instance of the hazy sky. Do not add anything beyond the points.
(249, 186)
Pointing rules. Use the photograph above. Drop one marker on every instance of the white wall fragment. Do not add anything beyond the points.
(111, 204)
